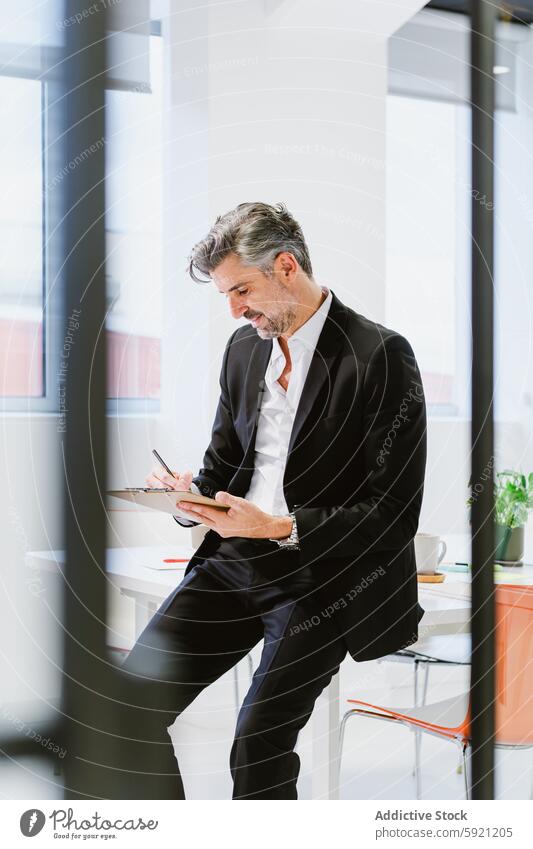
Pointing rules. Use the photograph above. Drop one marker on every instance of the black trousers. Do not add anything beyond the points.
(248, 591)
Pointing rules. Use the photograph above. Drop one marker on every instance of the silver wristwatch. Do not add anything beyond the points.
(293, 540)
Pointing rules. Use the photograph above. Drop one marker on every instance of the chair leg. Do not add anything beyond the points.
(415, 702)
(465, 770)
(418, 736)
(425, 691)
(418, 776)
(424, 697)
(345, 718)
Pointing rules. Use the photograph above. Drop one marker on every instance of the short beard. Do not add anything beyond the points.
(275, 327)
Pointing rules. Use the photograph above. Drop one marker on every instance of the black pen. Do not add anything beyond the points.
(160, 460)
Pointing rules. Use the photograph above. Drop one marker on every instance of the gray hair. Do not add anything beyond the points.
(256, 233)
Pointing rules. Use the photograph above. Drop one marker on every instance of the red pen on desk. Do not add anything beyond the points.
(175, 560)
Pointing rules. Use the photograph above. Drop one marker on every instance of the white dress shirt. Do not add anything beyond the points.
(278, 409)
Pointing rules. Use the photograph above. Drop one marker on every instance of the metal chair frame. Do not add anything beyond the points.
(463, 744)
(417, 658)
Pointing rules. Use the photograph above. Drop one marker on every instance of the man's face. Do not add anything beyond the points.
(265, 301)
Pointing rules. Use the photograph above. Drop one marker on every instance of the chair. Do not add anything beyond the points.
(450, 719)
(448, 650)
(445, 650)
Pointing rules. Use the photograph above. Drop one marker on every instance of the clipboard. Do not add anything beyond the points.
(163, 500)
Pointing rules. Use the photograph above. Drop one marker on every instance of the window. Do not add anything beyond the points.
(429, 202)
(428, 227)
(133, 221)
(21, 240)
(133, 149)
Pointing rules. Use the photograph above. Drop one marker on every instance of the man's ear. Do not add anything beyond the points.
(286, 265)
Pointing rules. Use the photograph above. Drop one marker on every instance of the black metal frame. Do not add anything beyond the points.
(107, 715)
(482, 434)
(84, 446)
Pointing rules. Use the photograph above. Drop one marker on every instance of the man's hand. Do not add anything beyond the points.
(160, 477)
(243, 519)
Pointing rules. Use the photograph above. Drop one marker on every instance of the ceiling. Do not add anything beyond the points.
(520, 12)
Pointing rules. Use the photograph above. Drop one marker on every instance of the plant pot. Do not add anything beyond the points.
(509, 544)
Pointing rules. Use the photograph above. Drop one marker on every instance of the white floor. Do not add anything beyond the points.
(377, 760)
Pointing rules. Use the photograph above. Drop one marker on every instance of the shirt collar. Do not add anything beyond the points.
(304, 340)
(307, 335)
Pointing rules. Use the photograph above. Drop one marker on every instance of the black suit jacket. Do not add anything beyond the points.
(354, 475)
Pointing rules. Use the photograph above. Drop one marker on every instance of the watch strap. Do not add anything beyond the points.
(293, 540)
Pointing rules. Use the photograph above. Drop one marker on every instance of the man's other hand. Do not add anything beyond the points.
(243, 519)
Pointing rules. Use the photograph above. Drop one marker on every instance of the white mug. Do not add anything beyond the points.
(429, 551)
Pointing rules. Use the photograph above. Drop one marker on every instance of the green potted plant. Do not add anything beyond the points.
(513, 498)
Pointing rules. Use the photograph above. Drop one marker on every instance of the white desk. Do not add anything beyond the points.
(133, 571)
(446, 605)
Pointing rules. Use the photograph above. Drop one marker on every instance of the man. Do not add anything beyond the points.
(318, 449)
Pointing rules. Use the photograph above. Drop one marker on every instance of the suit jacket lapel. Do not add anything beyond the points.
(328, 347)
(255, 383)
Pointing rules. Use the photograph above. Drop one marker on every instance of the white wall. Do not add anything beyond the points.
(273, 101)
(302, 120)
